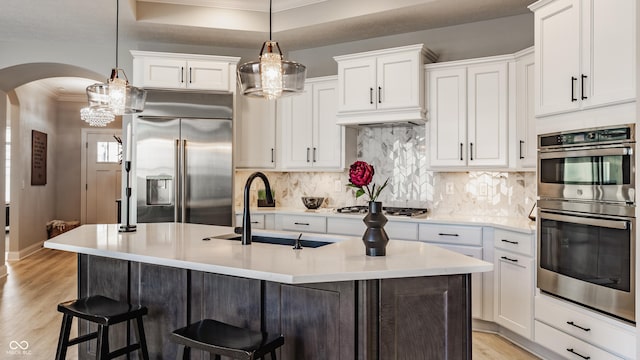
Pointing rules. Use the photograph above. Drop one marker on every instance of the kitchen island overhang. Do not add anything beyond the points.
(332, 297)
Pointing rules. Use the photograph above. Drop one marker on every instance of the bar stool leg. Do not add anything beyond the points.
(63, 340)
(273, 355)
(102, 350)
(184, 353)
(141, 338)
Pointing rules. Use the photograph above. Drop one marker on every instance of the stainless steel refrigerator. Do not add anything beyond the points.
(183, 162)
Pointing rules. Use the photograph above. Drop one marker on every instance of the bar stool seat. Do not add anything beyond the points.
(104, 312)
(221, 339)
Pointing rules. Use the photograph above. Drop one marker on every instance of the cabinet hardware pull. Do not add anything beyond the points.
(371, 96)
(308, 149)
(181, 74)
(521, 143)
(575, 353)
(314, 154)
(578, 326)
(460, 151)
(471, 151)
(379, 95)
(583, 76)
(509, 259)
(299, 223)
(510, 242)
(255, 222)
(573, 96)
(447, 234)
(272, 155)
(190, 75)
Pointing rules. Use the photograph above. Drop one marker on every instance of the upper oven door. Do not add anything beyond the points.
(603, 173)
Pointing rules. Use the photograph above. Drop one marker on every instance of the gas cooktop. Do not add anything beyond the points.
(395, 211)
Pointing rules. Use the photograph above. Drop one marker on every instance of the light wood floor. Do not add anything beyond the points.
(35, 285)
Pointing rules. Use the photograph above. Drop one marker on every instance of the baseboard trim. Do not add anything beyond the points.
(21, 254)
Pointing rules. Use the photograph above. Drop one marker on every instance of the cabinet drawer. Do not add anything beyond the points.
(257, 221)
(317, 224)
(513, 241)
(568, 346)
(451, 234)
(574, 322)
(401, 230)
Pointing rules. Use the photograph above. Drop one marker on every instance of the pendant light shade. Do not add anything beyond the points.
(115, 96)
(271, 76)
(96, 117)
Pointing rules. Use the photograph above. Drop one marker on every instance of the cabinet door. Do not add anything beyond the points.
(327, 136)
(487, 121)
(256, 133)
(513, 304)
(557, 41)
(164, 73)
(525, 113)
(357, 85)
(448, 116)
(208, 75)
(297, 127)
(608, 52)
(398, 81)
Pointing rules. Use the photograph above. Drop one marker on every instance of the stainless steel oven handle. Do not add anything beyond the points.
(612, 224)
(586, 152)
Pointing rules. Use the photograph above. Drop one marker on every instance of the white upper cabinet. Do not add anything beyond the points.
(585, 54)
(311, 139)
(255, 131)
(468, 114)
(382, 86)
(526, 139)
(184, 71)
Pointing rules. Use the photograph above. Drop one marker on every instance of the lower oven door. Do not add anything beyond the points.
(588, 259)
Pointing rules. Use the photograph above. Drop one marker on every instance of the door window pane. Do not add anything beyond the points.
(109, 152)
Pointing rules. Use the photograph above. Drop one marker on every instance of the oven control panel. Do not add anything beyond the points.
(588, 137)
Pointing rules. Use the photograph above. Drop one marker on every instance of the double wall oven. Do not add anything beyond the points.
(586, 218)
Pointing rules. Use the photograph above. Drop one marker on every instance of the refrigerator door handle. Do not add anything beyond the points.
(176, 185)
(184, 182)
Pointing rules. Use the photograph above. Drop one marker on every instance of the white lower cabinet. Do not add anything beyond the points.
(513, 299)
(561, 326)
(258, 221)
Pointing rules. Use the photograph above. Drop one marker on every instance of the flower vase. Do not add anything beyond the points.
(375, 238)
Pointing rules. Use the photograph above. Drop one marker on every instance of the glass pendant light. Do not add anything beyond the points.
(271, 76)
(116, 95)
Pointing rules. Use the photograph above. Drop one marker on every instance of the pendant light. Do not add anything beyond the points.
(271, 76)
(96, 117)
(115, 96)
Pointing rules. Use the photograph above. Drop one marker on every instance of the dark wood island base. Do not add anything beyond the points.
(400, 318)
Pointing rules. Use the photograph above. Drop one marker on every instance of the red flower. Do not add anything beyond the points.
(361, 173)
(360, 176)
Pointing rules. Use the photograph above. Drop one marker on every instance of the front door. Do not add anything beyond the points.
(104, 176)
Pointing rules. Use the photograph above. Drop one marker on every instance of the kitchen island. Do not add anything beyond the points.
(330, 302)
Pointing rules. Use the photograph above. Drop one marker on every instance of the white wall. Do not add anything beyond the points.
(32, 206)
(484, 38)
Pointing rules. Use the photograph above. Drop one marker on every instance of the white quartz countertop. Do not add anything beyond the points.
(515, 223)
(181, 245)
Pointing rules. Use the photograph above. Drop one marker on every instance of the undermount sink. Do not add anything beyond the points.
(275, 240)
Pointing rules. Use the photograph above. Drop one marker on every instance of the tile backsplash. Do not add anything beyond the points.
(400, 153)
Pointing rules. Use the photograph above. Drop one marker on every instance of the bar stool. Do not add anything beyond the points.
(104, 312)
(221, 339)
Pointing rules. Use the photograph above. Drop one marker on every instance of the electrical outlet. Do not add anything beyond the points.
(337, 186)
(449, 188)
(482, 189)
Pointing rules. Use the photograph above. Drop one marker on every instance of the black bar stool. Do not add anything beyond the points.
(104, 312)
(221, 339)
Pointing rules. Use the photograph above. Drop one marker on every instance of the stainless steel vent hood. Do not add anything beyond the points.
(186, 104)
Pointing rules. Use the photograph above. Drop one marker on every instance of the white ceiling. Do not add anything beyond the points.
(297, 24)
